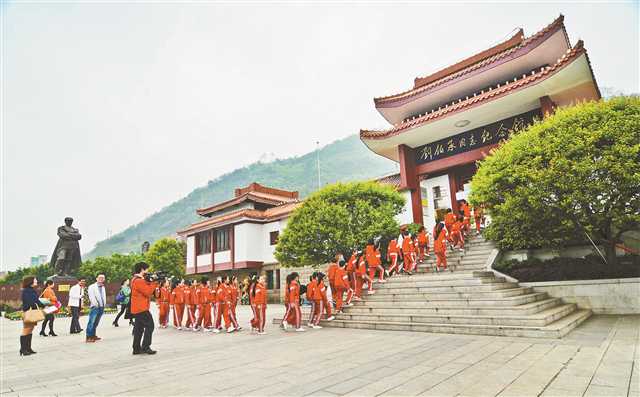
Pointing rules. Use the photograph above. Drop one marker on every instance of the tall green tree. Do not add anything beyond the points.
(116, 267)
(41, 272)
(573, 174)
(168, 255)
(338, 218)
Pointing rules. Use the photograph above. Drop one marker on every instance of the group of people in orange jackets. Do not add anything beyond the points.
(199, 304)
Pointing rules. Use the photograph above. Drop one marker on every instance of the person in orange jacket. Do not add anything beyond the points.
(351, 269)
(49, 294)
(478, 216)
(393, 254)
(439, 247)
(325, 298)
(204, 305)
(407, 252)
(189, 303)
(141, 292)
(457, 239)
(449, 219)
(162, 300)
(251, 290)
(331, 273)
(260, 300)
(360, 275)
(318, 292)
(311, 291)
(177, 296)
(342, 286)
(466, 213)
(232, 294)
(423, 243)
(293, 288)
(222, 309)
(374, 262)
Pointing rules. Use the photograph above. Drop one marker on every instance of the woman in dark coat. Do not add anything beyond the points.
(29, 301)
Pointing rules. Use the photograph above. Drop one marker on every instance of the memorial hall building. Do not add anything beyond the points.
(448, 120)
(238, 236)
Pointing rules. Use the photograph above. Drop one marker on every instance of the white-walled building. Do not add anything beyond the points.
(239, 235)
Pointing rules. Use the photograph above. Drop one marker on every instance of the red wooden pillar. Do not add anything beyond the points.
(547, 106)
(453, 188)
(213, 249)
(409, 180)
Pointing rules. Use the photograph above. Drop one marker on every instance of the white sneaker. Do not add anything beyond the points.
(179, 328)
(382, 281)
(300, 329)
(284, 326)
(262, 333)
(230, 330)
(331, 318)
(316, 327)
(347, 305)
(371, 292)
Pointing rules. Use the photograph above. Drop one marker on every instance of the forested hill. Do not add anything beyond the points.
(344, 160)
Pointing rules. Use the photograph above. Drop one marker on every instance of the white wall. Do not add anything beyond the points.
(248, 242)
(406, 216)
(191, 247)
(204, 259)
(222, 257)
(267, 248)
(611, 296)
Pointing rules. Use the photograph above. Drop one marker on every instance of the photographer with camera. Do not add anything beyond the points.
(143, 286)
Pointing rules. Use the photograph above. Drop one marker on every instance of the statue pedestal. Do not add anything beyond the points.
(62, 284)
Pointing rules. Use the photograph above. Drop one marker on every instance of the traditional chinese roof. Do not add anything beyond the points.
(268, 215)
(394, 180)
(509, 87)
(516, 45)
(253, 193)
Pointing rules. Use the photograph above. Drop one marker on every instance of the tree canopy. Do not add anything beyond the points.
(338, 218)
(574, 173)
(168, 255)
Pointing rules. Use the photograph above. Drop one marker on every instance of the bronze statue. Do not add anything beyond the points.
(66, 257)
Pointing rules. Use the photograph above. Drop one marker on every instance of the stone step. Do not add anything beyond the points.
(451, 267)
(436, 281)
(447, 288)
(422, 307)
(417, 293)
(539, 319)
(463, 302)
(431, 276)
(556, 329)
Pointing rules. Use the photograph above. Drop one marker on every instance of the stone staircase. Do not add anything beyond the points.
(469, 300)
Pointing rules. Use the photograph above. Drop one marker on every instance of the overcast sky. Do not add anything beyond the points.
(113, 111)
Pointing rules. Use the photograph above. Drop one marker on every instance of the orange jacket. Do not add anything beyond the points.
(456, 227)
(439, 245)
(261, 295)
(320, 293)
(311, 288)
(221, 293)
(188, 298)
(341, 279)
(233, 293)
(467, 211)
(373, 255)
(141, 291)
(449, 219)
(422, 238)
(49, 294)
(478, 212)
(178, 295)
(331, 272)
(163, 295)
(407, 245)
(351, 264)
(393, 247)
(294, 292)
(361, 270)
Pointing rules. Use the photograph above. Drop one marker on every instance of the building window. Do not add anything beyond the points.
(204, 243)
(277, 286)
(222, 240)
(273, 237)
(269, 279)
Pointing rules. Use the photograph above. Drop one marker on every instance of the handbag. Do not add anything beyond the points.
(33, 316)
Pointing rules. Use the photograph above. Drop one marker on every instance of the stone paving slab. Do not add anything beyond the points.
(599, 358)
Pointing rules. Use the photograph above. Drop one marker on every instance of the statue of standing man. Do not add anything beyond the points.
(66, 257)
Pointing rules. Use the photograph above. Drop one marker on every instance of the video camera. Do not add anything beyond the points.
(156, 276)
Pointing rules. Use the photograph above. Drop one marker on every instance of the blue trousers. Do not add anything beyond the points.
(94, 319)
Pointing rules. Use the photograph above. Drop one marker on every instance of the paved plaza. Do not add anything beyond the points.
(600, 358)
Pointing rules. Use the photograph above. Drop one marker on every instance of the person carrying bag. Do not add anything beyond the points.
(32, 313)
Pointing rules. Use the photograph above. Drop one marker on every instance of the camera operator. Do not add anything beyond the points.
(142, 288)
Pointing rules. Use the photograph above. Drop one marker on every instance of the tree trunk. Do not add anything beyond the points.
(610, 253)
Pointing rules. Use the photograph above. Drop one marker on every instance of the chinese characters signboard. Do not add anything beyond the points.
(483, 136)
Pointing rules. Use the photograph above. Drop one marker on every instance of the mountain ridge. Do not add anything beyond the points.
(343, 160)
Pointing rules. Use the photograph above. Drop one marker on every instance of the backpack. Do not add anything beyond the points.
(120, 297)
